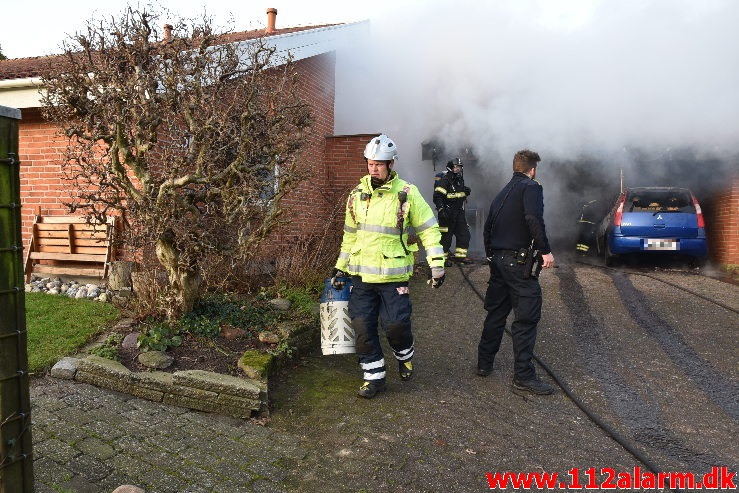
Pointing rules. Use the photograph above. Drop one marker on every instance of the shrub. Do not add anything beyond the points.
(159, 336)
(109, 348)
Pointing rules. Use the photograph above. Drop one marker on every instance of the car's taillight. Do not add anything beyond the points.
(619, 210)
(698, 212)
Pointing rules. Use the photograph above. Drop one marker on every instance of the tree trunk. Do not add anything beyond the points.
(119, 275)
(185, 282)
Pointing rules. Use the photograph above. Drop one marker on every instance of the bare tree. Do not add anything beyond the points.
(193, 139)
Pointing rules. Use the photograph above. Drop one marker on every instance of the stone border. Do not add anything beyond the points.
(240, 397)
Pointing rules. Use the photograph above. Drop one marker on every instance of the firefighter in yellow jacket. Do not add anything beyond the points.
(376, 254)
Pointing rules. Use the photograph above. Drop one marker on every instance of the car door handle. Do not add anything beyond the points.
(659, 226)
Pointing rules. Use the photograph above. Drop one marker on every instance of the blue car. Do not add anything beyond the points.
(654, 220)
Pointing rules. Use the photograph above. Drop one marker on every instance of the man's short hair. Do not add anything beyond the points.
(525, 160)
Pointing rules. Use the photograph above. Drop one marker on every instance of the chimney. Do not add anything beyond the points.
(167, 33)
(271, 18)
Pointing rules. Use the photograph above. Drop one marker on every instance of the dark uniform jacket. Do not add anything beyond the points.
(450, 192)
(516, 217)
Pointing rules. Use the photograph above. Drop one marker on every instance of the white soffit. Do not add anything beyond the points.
(20, 93)
(312, 42)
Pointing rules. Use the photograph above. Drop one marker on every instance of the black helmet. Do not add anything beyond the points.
(452, 163)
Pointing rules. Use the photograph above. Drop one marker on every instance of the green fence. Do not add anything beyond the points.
(16, 459)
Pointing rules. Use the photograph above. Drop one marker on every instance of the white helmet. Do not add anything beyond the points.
(381, 148)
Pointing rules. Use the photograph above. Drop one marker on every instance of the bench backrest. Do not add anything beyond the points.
(69, 245)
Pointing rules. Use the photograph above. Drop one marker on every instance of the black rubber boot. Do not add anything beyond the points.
(371, 388)
(406, 370)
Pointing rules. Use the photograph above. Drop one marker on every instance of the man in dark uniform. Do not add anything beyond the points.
(515, 222)
(450, 195)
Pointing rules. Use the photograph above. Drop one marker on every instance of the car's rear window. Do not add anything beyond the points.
(659, 200)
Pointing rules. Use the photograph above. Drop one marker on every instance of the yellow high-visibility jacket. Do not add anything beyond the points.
(371, 246)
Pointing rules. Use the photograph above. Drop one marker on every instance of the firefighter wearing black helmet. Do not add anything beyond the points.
(450, 195)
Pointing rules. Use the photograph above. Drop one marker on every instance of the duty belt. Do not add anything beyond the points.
(505, 253)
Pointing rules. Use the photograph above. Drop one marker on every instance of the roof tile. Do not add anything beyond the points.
(21, 68)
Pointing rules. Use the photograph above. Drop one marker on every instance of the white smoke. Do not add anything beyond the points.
(610, 83)
(562, 78)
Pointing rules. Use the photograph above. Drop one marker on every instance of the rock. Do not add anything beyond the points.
(230, 333)
(280, 304)
(130, 340)
(250, 372)
(285, 329)
(124, 323)
(125, 293)
(256, 364)
(69, 288)
(268, 337)
(156, 359)
(81, 293)
(65, 368)
(127, 488)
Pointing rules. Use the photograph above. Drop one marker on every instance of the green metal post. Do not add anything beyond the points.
(16, 457)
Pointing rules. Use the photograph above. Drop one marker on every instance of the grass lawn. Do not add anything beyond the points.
(58, 326)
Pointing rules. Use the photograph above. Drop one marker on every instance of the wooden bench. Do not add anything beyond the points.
(68, 245)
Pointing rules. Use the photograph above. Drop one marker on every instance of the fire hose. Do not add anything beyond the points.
(618, 438)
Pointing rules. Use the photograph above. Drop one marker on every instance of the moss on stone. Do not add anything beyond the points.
(256, 364)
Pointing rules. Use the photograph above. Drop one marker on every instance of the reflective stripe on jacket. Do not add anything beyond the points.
(449, 192)
(371, 246)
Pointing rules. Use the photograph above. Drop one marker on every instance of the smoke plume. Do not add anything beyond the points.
(597, 88)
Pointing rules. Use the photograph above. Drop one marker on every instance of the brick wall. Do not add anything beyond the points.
(40, 152)
(307, 206)
(722, 224)
(345, 160)
(43, 187)
(344, 166)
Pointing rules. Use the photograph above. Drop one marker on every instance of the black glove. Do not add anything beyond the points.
(338, 279)
(443, 214)
(467, 190)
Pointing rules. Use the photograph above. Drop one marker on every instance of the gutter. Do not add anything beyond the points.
(25, 82)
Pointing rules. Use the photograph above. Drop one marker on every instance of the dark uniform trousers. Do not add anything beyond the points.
(455, 224)
(507, 289)
(390, 303)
